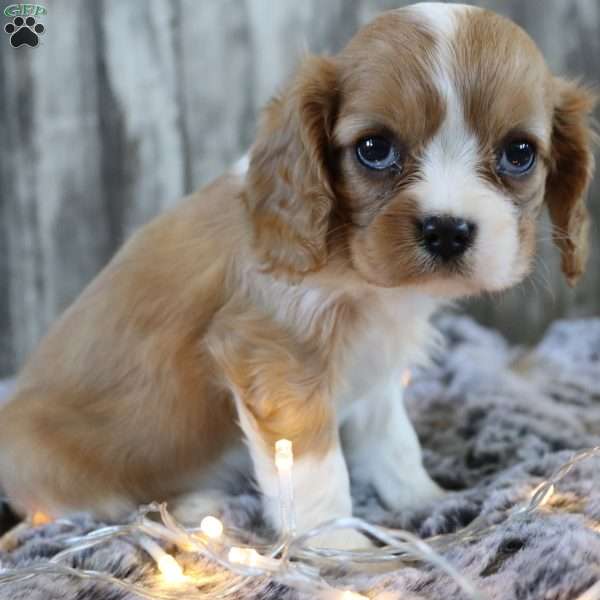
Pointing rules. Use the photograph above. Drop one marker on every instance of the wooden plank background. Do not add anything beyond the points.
(125, 106)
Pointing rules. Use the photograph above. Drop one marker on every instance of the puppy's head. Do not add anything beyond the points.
(422, 154)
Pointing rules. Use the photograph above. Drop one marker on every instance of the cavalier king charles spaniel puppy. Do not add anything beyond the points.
(285, 299)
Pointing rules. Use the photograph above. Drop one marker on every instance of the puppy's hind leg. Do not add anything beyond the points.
(47, 465)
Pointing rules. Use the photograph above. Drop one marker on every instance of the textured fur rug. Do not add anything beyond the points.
(494, 422)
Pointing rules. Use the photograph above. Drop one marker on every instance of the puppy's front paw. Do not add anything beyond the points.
(408, 494)
(342, 539)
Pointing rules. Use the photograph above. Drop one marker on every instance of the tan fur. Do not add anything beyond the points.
(289, 194)
(121, 400)
(502, 76)
(570, 175)
(259, 294)
(504, 81)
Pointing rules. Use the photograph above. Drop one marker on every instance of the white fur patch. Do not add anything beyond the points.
(397, 334)
(451, 184)
(440, 16)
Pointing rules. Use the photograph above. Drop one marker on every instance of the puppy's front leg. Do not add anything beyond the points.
(281, 392)
(383, 449)
(320, 480)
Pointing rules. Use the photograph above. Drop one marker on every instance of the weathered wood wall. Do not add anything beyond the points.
(127, 105)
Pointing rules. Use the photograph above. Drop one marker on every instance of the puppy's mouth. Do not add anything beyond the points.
(458, 267)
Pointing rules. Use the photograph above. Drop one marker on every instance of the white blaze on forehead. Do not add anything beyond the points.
(440, 16)
(451, 158)
(451, 183)
(443, 19)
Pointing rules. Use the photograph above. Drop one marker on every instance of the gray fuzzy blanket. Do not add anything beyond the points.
(494, 421)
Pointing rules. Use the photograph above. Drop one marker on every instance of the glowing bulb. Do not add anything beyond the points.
(348, 595)
(243, 556)
(39, 518)
(284, 461)
(211, 527)
(170, 569)
(284, 456)
(405, 378)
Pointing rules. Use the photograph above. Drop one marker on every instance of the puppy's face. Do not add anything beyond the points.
(444, 135)
(422, 154)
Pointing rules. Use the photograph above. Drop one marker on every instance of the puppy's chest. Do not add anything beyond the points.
(365, 341)
(374, 357)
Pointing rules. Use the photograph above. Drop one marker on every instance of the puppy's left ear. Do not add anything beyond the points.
(288, 190)
(571, 170)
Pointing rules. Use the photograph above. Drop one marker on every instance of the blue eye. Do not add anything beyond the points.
(517, 158)
(377, 152)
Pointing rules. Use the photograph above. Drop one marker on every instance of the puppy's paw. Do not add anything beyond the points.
(402, 494)
(342, 539)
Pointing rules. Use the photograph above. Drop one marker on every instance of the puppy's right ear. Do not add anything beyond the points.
(288, 188)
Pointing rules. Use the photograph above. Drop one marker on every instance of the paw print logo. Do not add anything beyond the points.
(24, 31)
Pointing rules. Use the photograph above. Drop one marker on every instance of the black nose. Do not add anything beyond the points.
(447, 237)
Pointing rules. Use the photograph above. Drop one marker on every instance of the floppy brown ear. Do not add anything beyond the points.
(288, 191)
(572, 167)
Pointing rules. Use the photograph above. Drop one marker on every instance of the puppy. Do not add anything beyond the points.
(284, 301)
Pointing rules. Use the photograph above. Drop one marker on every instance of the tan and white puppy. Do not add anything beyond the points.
(284, 301)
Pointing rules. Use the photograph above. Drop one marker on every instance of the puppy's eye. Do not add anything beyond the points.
(377, 152)
(516, 158)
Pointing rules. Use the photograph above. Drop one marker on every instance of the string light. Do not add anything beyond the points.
(406, 378)
(348, 595)
(39, 518)
(545, 497)
(167, 565)
(284, 462)
(309, 565)
(284, 455)
(171, 569)
(243, 556)
(211, 527)
(249, 557)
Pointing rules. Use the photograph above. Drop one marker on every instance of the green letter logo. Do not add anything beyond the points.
(24, 10)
